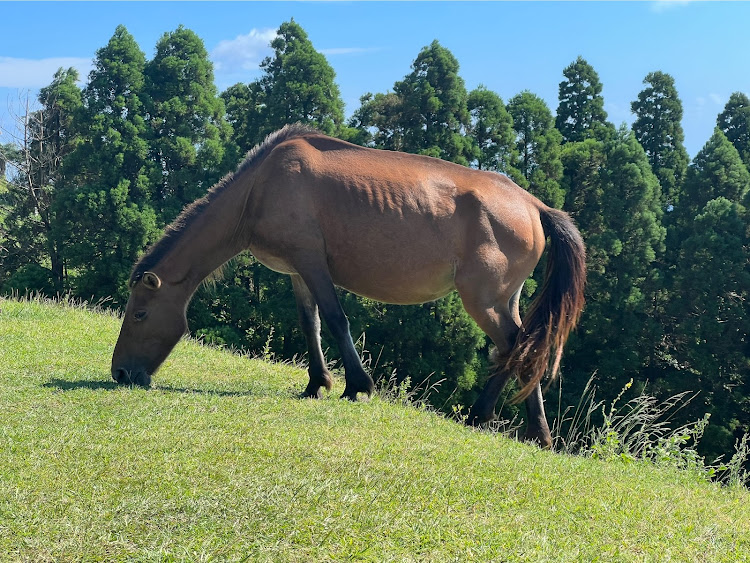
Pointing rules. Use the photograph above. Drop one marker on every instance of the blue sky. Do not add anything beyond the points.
(507, 46)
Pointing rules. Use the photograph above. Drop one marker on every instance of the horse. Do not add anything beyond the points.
(394, 227)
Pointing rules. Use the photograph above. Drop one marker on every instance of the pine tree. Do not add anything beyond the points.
(245, 107)
(716, 171)
(189, 136)
(538, 144)
(492, 131)
(713, 319)
(107, 214)
(734, 122)
(433, 108)
(581, 111)
(708, 311)
(658, 128)
(378, 121)
(298, 84)
(615, 199)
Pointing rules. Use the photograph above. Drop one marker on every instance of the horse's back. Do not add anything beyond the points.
(393, 226)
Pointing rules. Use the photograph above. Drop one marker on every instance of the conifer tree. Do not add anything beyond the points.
(492, 131)
(107, 213)
(658, 128)
(434, 113)
(616, 201)
(734, 122)
(298, 84)
(538, 145)
(189, 136)
(716, 171)
(581, 111)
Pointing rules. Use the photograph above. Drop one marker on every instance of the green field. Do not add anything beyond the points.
(220, 461)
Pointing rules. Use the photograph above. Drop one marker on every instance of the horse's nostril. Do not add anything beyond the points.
(121, 375)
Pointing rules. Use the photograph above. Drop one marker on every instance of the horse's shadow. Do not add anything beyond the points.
(100, 385)
(67, 385)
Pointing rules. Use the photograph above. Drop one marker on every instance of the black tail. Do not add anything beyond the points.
(555, 312)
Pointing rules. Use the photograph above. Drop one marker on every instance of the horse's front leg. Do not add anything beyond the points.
(310, 323)
(323, 292)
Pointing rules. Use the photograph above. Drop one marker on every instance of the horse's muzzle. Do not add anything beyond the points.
(125, 376)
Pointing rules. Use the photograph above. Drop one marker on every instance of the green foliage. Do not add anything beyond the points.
(538, 144)
(492, 131)
(658, 129)
(616, 201)
(298, 84)
(33, 237)
(105, 209)
(189, 136)
(734, 122)
(581, 114)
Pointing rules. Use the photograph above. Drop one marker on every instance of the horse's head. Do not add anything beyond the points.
(153, 324)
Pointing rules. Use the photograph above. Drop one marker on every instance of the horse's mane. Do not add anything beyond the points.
(187, 217)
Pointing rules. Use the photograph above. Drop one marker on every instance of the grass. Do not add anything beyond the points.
(220, 461)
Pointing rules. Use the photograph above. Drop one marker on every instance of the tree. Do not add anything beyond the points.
(106, 215)
(616, 201)
(709, 310)
(712, 319)
(434, 113)
(716, 171)
(189, 136)
(492, 130)
(734, 122)
(581, 111)
(538, 145)
(378, 121)
(298, 84)
(658, 128)
(245, 107)
(34, 250)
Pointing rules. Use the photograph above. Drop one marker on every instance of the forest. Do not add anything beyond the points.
(100, 170)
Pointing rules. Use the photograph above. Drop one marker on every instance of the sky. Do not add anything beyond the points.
(506, 46)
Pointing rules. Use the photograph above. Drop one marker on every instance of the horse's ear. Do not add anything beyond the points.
(151, 280)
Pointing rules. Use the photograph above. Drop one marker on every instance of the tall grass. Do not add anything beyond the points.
(641, 429)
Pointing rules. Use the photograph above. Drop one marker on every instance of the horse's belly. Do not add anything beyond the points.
(403, 285)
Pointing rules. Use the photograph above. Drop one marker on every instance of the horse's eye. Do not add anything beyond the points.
(140, 315)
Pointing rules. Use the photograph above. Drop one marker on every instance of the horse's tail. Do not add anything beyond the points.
(554, 313)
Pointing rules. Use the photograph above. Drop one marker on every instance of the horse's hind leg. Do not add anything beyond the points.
(502, 323)
(320, 286)
(498, 323)
(310, 322)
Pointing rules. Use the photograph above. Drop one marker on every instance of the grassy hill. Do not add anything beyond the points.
(220, 461)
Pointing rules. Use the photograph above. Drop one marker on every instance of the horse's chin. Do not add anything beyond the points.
(132, 377)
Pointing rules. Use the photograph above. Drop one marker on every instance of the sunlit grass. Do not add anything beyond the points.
(221, 461)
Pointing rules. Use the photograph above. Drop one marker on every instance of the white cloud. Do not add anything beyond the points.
(664, 5)
(36, 73)
(244, 52)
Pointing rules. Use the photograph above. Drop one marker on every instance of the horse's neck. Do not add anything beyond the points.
(209, 241)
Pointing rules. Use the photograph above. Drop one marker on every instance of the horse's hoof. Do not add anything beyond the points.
(476, 420)
(309, 394)
(541, 439)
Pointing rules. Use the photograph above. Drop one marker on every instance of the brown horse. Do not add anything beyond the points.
(394, 227)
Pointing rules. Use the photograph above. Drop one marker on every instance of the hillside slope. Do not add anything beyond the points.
(220, 461)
